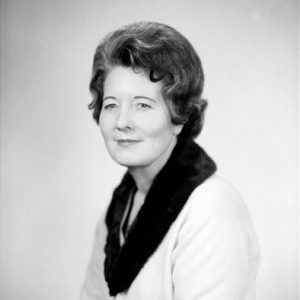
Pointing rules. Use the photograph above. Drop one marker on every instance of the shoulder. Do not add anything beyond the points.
(215, 244)
(215, 187)
(216, 211)
(215, 196)
(100, 231)
(216, 204)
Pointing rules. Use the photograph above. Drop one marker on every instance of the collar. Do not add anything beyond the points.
(187, 167)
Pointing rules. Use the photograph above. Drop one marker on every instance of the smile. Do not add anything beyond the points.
(127, 142)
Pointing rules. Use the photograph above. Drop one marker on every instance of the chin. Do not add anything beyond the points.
(130, 163)
(131, 160)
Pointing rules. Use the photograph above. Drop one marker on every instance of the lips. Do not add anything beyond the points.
(127, 142)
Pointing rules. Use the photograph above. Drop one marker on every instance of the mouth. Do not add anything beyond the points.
(127, 142)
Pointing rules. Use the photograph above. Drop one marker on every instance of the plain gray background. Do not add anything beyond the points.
(56, 176)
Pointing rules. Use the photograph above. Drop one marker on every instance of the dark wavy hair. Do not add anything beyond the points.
(167, 56)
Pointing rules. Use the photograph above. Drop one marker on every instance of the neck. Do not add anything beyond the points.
(144, 176)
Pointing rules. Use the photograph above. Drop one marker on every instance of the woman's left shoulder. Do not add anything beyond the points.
(216, 252)
(216, 208)
(216, 195)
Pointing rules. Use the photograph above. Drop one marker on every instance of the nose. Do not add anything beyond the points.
(124, 121)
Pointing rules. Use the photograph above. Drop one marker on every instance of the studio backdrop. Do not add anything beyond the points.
(56, 177)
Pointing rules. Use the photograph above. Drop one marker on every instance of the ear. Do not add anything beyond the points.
(178, 129)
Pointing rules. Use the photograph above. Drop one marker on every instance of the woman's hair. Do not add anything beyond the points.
(166, 56)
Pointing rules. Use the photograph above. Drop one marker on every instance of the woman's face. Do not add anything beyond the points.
(135, 120)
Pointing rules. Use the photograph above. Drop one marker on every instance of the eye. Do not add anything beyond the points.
(110, 106)
(143, 106)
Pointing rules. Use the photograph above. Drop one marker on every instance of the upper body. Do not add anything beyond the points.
(172, 230)
(210, 252)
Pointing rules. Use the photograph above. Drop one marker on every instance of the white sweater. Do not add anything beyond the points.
(209, 253)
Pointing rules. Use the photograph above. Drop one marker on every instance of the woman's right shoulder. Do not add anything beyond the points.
(101, 228)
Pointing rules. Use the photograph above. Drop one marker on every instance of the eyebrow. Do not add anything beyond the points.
(144, 97)
(136, 97)
(109, 97)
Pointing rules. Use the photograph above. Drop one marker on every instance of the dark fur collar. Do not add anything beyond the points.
(187, 167)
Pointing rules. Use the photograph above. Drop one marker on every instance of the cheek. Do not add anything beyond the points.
(104, 127)
(158, 128)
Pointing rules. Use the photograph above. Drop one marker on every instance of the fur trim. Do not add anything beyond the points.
(187, 167)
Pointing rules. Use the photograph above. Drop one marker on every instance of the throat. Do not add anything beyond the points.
(143, 180)
(135, 203)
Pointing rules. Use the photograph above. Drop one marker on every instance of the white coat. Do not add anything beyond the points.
(209, 253)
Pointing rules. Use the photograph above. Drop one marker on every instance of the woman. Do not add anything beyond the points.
(173, 229)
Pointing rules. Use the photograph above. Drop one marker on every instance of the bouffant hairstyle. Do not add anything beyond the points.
(164, 54)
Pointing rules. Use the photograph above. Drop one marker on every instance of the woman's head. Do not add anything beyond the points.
(166, 56)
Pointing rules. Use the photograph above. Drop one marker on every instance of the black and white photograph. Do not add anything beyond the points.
(149, 150)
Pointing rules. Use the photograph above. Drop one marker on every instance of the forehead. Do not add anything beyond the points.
(126, 80)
